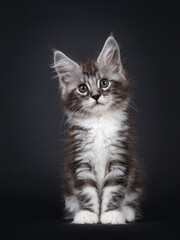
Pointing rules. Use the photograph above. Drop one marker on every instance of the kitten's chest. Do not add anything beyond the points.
(103, 138)
(101, 147)
(100, 140)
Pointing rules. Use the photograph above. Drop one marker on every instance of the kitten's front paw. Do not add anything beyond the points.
(112, 217)
(85, 216)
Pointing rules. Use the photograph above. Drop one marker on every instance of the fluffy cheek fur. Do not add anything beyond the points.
(85, 105)
(82, 105)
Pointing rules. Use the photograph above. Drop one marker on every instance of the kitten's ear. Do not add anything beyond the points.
(63, 64)
(110, 55)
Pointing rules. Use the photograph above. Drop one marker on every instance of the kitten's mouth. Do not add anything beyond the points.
(97, 104)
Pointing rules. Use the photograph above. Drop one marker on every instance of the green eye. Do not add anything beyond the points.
(104, 83)
(82, 88)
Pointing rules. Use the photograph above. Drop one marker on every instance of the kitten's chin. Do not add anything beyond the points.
(98, 108)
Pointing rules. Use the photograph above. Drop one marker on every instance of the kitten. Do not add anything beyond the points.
(101, 177)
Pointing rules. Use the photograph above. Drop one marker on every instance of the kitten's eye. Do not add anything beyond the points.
(82, 88)
(104, 83)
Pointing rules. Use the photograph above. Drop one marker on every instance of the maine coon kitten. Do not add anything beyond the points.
(101, 177)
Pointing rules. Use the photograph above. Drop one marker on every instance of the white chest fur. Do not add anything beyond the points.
(101, 132)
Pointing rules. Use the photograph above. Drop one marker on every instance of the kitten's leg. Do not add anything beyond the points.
(130, 205)
(114, 189)
(71, 206)
(87, 195)
(133, 196)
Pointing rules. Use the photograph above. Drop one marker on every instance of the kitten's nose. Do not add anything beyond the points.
(96, 97)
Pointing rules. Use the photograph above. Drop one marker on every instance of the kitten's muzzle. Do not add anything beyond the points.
(96, 97)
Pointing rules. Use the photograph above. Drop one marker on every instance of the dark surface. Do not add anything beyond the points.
(40, 219)
(48, 226)
(32, 126)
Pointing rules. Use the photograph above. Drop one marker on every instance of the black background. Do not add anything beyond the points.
(32, 126)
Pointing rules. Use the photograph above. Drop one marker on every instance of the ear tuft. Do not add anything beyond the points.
(63, 64)
(110, 54)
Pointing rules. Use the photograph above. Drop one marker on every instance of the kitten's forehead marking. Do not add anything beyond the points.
(90, 72)
(89, 68)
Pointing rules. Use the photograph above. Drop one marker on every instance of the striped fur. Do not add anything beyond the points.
(101, 177)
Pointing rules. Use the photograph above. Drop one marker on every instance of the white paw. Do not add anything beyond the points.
(85, 216)
(129, 213)
(113, 217)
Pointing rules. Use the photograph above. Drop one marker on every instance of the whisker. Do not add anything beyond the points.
(134, 107)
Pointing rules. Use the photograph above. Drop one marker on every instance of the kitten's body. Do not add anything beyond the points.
(102, 181)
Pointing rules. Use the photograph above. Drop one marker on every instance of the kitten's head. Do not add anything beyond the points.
(93, 87)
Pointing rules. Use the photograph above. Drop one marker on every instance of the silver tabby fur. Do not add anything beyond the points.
(101, 177)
